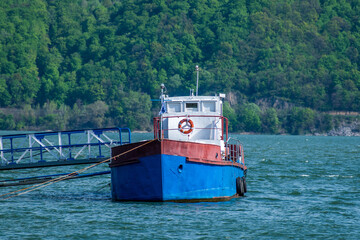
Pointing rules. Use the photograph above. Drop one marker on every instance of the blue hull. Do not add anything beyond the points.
(163, 177)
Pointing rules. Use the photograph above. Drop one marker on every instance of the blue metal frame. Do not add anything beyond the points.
(8, 146)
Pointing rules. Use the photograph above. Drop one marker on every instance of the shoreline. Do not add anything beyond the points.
(344, 129)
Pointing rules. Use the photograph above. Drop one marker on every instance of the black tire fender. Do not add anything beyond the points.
(244, 184)
(239, 186)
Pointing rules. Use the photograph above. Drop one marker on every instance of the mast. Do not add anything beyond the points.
(162, 106)
(197, 78)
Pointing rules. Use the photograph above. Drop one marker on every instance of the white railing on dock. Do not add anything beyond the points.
(60, 146)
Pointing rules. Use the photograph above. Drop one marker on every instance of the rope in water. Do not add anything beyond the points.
(55, 180)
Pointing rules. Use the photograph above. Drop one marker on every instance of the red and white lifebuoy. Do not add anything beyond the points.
(187, 127)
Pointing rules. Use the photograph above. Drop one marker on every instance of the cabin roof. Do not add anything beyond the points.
(192, 98)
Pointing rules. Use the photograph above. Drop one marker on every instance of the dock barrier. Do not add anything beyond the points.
(46, 149)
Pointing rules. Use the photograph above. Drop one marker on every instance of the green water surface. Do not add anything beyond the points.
(299, 187)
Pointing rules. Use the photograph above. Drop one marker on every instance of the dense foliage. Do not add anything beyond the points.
(101, 61)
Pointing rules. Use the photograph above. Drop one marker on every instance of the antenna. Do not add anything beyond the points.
(197, 79)
(163, 91)
(163, 108)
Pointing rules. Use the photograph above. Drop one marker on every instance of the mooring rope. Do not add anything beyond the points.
(55, 180)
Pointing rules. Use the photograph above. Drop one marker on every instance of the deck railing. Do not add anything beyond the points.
(234, 152)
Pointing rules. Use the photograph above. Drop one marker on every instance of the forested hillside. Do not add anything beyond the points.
(68, 64)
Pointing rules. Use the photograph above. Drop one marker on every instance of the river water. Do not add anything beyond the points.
(299, 187)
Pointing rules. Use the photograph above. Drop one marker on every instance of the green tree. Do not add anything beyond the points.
(305, 53)
(249, 117)
(5, 97)
(270, 121)
(230, 114)
(136, 111)
(7, 122)
(301, 120)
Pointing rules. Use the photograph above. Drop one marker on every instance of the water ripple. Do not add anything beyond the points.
(298, 187)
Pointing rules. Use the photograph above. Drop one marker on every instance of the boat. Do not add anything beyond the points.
(190, 159)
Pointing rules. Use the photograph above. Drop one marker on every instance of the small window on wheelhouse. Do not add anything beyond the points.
(192, 107)
(174, 107)
(209, 106)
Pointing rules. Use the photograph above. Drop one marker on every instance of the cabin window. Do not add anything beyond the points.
(192, 107)
(174, 107)
(209, 106)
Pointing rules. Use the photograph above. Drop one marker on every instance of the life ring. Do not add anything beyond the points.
(189, 123)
